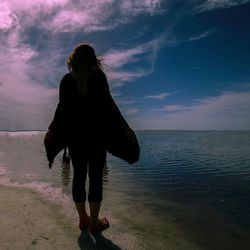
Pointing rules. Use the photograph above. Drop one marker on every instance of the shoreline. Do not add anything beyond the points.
(31, 220)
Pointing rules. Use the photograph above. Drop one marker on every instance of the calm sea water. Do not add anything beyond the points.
(209, 168)
(203, 171)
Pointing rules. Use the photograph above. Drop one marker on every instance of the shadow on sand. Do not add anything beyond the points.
(86, 242)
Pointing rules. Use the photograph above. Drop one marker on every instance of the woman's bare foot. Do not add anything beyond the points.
(99, 226)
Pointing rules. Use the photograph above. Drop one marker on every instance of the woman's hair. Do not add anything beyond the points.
(81, 62)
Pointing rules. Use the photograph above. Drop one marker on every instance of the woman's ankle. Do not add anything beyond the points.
(94, 208)
(80, 206)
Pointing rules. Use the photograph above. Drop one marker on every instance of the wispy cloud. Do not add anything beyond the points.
(174, 108)
(117, 59)
(132, 111)
(229, 110)
(219, 4)
(200, 36)
(160, 96)
(83, 15)
(138, 6)
(119, 77)
(125, 101)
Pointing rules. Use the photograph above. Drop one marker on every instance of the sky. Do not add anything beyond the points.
(178, 65)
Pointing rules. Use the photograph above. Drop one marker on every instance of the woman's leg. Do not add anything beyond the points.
(83, 216)
(96, 164)
(78, 186)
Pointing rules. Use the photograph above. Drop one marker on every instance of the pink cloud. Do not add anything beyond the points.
(24, 104)
(65, 15)
(27, 5)
(7, 18)
(26, 100)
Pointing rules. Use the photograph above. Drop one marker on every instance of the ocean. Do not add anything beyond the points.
(189, 186)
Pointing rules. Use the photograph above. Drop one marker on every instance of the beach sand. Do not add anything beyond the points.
(29, 221)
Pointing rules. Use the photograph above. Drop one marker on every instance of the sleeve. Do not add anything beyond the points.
(59, 116)
(115, 117)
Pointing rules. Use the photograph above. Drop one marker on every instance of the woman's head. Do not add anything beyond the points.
(81, 63)
(83, 59)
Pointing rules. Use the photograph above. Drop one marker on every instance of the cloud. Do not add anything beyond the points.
(125, 101)
(138, 6)
(7, 18)
(37, 36)
(119, 77)
(132, 111)
(68, 16)
(116, 61)
(160, 96)
(200, 36)
(219, 4)
(174, 108)
(24, 103)
(118, 58)
(229, 110)
(87, 16)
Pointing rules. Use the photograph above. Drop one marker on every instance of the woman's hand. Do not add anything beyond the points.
(130, 135)
(48, 136)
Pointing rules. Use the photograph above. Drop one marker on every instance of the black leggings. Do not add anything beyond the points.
(87, 159)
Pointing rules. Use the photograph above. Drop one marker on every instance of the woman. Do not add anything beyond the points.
(84, 116)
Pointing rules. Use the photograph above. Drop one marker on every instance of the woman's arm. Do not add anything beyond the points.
(59, 116)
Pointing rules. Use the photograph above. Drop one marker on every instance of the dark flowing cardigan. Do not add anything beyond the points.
(94, 118)
(95, 113)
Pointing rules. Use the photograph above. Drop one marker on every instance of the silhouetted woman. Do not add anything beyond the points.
(84, 115)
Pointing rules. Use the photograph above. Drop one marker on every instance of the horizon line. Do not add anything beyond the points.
(143, 130)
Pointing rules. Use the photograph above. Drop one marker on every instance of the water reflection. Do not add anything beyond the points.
(105, 172)
(66, 171)
(66, 155)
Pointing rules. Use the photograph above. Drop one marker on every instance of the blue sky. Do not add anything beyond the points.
(170, 64)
